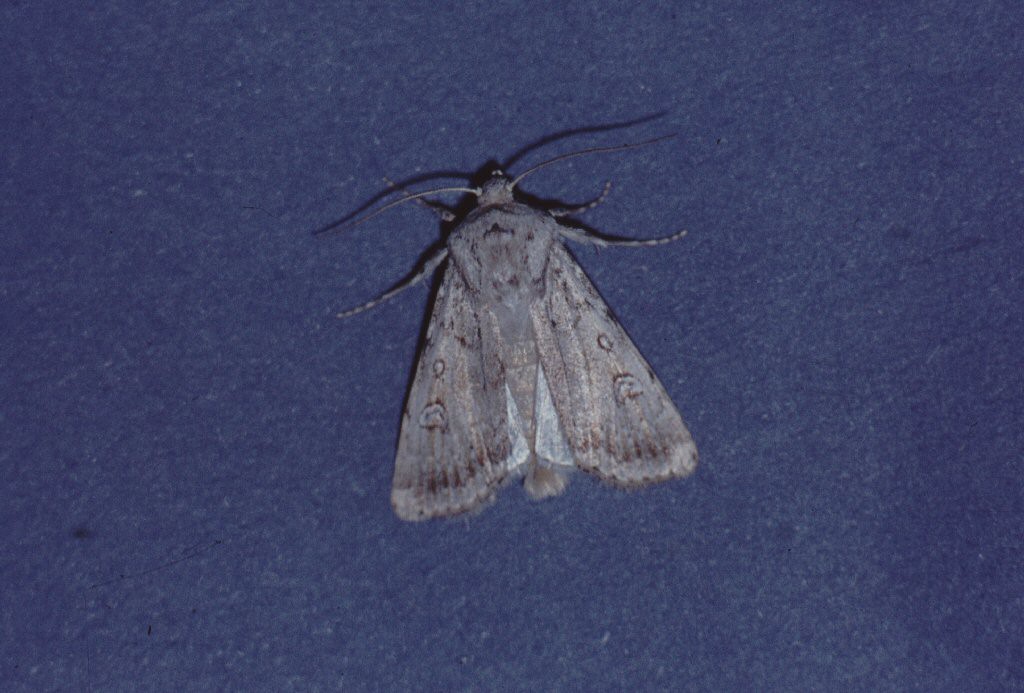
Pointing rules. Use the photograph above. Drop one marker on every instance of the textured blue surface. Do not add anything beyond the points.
(197, 456)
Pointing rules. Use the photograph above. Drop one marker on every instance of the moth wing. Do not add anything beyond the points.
(454, 448)
(618, 421)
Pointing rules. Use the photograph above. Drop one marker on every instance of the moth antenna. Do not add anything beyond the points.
(428, 267)
(593, 150)
(407, 198)
(435, 207)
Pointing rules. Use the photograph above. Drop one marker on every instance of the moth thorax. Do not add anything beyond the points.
(510, 280)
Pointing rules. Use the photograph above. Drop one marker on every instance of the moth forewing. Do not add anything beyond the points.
(623, 426)
(525, 372)
(452, 435)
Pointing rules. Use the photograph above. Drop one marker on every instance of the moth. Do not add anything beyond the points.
(525, 372)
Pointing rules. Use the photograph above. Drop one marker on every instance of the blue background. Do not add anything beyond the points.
(196, 455)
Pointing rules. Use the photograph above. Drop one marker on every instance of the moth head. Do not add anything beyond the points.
(497, 190)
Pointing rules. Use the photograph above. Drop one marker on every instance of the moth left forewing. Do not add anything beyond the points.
(618, 420)
(454, 439)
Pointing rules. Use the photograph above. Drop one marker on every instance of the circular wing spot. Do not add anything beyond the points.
(434, 416)
(627, 387)
(604, 342)
(439, 367)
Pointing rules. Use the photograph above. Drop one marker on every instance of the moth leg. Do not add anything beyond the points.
(436, 207)
(580, 209)
(602, 241)
(428, 267)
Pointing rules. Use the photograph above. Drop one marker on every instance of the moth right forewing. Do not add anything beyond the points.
(453, 436)
(617, 416)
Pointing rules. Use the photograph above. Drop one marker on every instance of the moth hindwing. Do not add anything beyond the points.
(526, 373)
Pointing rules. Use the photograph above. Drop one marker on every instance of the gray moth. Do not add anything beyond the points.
(525, 372)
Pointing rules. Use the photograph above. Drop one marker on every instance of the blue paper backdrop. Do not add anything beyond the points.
(197, 455)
